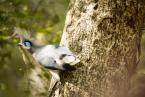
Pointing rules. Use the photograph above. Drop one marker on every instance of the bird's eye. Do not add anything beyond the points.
(27, 44)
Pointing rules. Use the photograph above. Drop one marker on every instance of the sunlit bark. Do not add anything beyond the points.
(105, 34)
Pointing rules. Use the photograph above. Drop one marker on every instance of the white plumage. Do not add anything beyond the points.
(55, 58)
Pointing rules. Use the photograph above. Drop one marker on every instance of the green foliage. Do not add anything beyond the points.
(32, 15)
(43, 19)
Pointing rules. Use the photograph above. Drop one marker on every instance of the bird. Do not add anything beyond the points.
(53, 57)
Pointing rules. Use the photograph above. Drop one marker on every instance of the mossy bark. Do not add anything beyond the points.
(36, 79)
(105, 34)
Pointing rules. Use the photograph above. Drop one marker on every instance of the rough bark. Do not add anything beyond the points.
(105, 34)
(36, 80)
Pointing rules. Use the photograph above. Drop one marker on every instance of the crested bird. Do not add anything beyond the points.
(53, 57)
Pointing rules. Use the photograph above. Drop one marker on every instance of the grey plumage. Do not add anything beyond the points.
(51, 57)
(55, 58)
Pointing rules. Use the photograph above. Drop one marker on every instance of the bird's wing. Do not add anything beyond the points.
(47, 61)
(50, 63)
(50, 57)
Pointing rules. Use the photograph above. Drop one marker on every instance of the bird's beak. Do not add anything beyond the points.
(20, 44)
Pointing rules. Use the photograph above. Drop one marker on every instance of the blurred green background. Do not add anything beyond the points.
(42, 19)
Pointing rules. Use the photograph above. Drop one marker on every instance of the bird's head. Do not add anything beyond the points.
(26, 44)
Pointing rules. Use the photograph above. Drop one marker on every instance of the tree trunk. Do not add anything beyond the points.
(105, 34)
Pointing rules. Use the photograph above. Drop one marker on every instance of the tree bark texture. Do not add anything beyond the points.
(105, 34)
(36, 80)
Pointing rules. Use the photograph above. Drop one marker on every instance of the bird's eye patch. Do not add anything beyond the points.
(27, 43)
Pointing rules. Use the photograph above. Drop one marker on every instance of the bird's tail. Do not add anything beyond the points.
(64, 67)
(68, 67)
